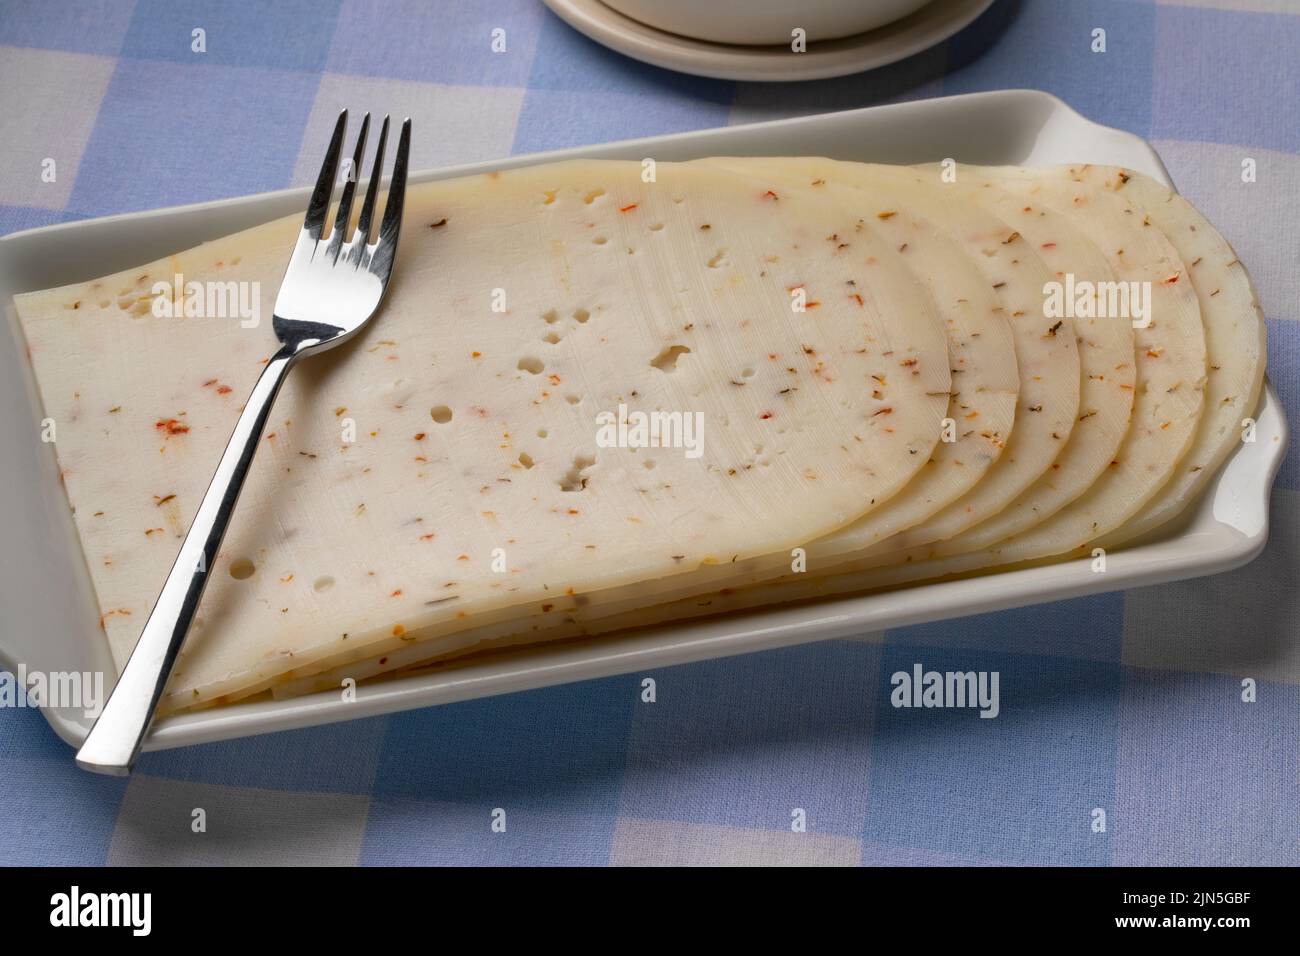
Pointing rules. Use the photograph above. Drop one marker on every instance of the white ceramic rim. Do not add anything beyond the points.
(931, 24)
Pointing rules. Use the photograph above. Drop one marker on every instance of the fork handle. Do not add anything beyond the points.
(114, 742)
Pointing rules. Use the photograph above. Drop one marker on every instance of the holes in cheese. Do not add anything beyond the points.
(575, 479)
(241, 569)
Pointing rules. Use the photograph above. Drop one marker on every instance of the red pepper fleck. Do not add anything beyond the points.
(771, 195)
(171, 426)
(107, 614)
(628, 208)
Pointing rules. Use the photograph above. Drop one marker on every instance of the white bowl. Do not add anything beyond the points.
(765, 22)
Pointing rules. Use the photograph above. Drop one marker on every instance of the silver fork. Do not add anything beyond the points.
(331, 289)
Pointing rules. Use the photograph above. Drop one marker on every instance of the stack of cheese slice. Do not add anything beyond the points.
(597, 399)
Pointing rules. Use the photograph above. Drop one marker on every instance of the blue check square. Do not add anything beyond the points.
(336, 758)
(444, 41)
(196, 132)
(1205, 778)
(751, 741)
(55, 814)
(1090, 628)
(1056, 47)
(88, 26)
(551, 119)
(1227, 77)
(551, 761)
(558, 747)
(284, 35)
(1022, 787)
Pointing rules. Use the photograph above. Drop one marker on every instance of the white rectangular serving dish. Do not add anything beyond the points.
(49, 620)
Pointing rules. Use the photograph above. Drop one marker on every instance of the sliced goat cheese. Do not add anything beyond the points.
(1106, 354)
(981, 346)
(1053, 381)
(1168, 407)
(861, 265)
(1048, 369)
(1169, 348)
(1234, 340)
(447, 486)
(875, 233)
(448, 469)
(1089, 498)
(1233, 335)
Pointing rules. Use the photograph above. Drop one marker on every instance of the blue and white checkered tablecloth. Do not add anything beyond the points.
(1127, 702)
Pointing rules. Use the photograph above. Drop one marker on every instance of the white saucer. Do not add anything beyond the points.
(932, 24)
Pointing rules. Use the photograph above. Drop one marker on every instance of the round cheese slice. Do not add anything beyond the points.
(981, 348)
(1169, 348)
(1106, 351)
(1234, 340)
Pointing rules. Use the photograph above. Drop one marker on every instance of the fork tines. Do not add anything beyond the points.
(318, 208)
